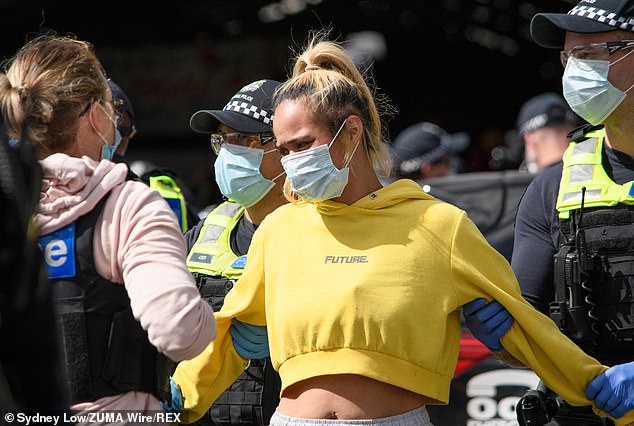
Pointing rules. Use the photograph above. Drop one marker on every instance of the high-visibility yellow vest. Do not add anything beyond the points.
(583, 177)
(171, 192)
(211, 254)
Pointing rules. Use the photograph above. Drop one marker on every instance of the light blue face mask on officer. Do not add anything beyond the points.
(313, 175)
(588, 91)
(238, 176)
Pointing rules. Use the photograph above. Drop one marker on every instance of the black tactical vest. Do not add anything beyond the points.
(106, 351)
(594, 275)
(594, 267)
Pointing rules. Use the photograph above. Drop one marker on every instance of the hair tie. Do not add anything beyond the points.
(312, 68)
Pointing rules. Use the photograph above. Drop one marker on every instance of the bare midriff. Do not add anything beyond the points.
(347, 396)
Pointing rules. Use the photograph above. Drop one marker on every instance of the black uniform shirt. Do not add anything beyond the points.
(537, 227)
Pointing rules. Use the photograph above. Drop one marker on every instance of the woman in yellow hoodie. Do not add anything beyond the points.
(361, 286)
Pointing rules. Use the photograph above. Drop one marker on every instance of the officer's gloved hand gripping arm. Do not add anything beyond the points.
(250, 341)
(176, 403)
(488, 322)
(613, 390)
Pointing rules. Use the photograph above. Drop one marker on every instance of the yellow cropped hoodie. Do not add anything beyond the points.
(376, 289)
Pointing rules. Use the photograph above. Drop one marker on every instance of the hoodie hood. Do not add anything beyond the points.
(72, 187)
(388, 196)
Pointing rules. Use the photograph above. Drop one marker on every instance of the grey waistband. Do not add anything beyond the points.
(417, 417)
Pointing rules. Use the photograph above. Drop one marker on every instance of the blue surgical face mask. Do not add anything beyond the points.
(238, 176)
(588, 91)
(313, 175)
(107, 150)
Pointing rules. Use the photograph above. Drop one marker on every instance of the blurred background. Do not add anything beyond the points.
(466, 65)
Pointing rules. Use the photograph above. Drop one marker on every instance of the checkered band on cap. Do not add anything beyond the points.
(534, 123)
(603, 16)
(250, 110)
(413, 164)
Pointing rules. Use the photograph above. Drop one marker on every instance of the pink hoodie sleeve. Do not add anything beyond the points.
(139, 242)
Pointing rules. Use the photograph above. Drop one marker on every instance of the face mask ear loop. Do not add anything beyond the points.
(337, 134)
(103, 139)
(622, 57)
(352, 155)
(281, 174)
(276, 177)
(115, 123)
(628, 89)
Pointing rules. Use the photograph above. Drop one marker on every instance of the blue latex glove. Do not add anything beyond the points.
(175, 405)
(251, 341)
(488, 322)
(613, 390)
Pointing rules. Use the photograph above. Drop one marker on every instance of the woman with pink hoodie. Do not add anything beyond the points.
(127, 307)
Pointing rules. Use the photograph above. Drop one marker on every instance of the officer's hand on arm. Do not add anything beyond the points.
(250, 341)
(176, 404)
(488, 322)
(613, 390)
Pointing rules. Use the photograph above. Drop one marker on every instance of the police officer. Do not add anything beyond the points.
(424, 150)
(126, 306)
(574, 233)
(250, 175)
(543, 123)
(163, 180)
(127, 123)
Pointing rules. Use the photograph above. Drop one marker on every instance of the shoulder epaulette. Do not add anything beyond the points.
(578, 134)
